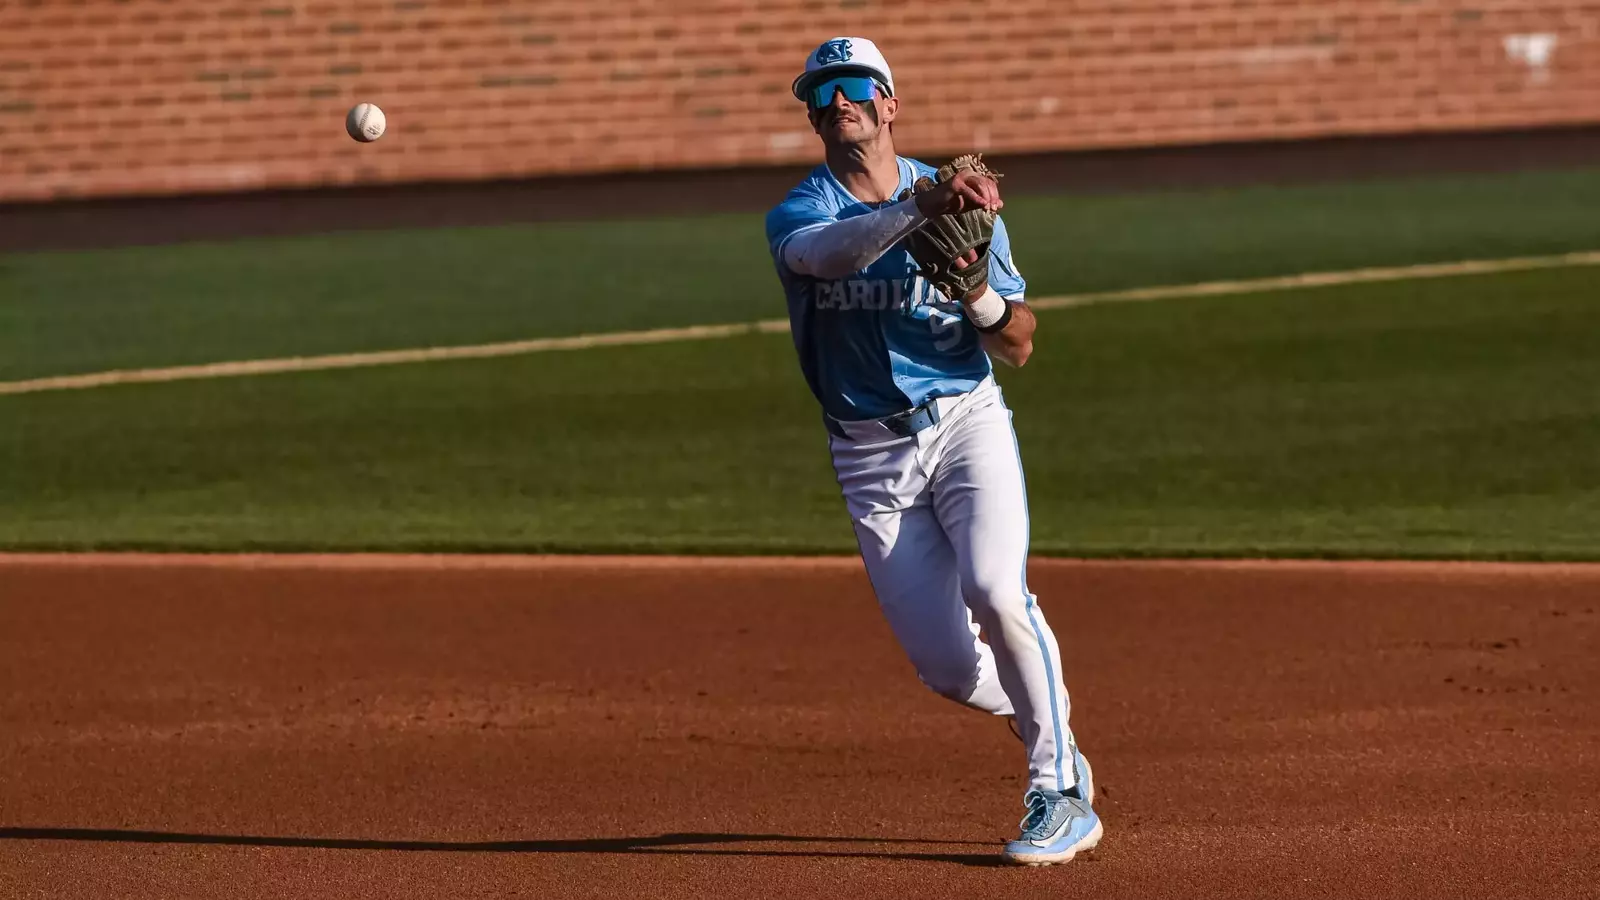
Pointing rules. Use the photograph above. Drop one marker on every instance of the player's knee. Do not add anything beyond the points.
(946, 680)
(950, 674)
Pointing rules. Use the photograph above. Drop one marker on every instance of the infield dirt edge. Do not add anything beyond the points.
(450, 562)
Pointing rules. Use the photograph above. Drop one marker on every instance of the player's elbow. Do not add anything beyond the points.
(1016, 355)
(1010, 351)
(829, 266)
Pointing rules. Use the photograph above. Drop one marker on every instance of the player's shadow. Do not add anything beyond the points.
(691, 844)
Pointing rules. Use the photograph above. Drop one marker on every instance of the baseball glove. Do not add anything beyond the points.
(936, 245)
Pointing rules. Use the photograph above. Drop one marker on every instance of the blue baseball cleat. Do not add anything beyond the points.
(1058, 825)
(1055, 829)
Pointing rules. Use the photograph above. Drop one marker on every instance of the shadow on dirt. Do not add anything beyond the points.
(692, 844)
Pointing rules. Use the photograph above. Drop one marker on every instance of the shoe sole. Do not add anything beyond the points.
(1089, 842)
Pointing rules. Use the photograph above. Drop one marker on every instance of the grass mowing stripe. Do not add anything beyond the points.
(1442, 418)
(357, 292)
(769, 326)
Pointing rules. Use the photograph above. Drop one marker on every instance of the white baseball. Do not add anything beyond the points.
(365, 122)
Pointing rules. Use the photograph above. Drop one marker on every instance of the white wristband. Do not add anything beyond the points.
(988, 309)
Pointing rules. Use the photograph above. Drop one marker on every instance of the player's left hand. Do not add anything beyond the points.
(951, 249)
(961, 262)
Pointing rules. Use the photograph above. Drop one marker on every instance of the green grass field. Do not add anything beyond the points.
(1455, 417)
(64, 313)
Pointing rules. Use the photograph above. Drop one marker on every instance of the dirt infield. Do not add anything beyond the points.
(370, 727)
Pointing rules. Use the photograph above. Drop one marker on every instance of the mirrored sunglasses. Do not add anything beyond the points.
(856, 88)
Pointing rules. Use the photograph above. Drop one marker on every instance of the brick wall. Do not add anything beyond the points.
(115, 97)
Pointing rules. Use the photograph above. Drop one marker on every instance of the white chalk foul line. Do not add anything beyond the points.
(768, 326)
(386, 357)
(1326, 279)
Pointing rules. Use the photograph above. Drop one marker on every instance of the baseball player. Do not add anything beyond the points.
(901, 288)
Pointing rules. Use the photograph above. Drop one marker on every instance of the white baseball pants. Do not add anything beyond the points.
(942, 521)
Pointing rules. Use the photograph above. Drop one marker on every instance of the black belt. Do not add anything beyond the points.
(901, 424)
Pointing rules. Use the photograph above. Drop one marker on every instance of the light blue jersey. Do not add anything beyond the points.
(882, 340)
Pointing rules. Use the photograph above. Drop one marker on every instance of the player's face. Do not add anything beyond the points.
(842, 120)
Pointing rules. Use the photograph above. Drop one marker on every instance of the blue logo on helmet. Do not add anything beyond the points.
(834, 51)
